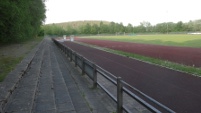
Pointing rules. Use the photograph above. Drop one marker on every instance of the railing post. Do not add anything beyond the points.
(119, 95)
(62, 48)
(71, 55)
(67, 52)
(94, 76)
(75, 59)
(83, 66)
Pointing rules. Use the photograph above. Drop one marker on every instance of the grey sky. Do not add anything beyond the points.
(125, 11)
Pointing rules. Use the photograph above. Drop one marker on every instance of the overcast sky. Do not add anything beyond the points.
(125, 11)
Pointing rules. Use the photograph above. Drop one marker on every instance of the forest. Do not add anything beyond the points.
(91, 28)
(21, 20)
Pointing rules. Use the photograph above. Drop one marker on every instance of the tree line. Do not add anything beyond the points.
(119, 28)
(20, 19)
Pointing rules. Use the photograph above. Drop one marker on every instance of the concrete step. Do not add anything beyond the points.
(96, 99)
(51, 84)
(62, 97)
(79, 104)
(13, 78)
(22, 97)
(45, 97)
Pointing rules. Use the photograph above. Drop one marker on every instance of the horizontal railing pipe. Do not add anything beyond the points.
(108, 78)
(141, 101)
(146, 96)
(107, 92)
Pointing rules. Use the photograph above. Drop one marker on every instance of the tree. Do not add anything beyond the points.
(161, 27)
(179, 26)
(170, 27)
(20, 19)
(103, 28)
(129, 28)
(87, 29)
(139, 29)
(112, 28)
(70, 30)
(119, 28)
(122, 28)
(146, 25)
(94, 29)
(194, 25)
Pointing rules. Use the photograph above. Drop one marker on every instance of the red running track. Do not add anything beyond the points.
(183, 55)
(178, 91)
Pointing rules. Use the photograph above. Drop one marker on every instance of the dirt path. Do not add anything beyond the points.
(178, 91)
(182, 55)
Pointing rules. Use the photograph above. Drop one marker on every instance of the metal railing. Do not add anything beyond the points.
(92, 70)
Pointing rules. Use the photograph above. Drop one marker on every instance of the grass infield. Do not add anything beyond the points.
(183, 40)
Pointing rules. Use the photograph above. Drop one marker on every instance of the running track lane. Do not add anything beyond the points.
(178, 91)
(183, 55)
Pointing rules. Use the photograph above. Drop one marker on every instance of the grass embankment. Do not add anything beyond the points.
(183, 40)
(12, 54)
(7, 64)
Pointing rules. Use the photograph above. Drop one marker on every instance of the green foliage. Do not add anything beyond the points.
(102, 27)
(77, 24)
(54, 30)
(87, 29)
(41, 32)
(94, 29)
(20, 19)
(129, 28)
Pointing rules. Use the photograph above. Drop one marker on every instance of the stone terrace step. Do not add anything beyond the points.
(13, 78)
(52, 85)
(98, 101)
(23, 96)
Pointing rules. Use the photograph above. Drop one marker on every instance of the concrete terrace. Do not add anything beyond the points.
(46, 82)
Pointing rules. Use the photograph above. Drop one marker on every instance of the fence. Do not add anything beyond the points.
(92, 70)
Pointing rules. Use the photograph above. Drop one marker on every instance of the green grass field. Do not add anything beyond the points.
(184, 40)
